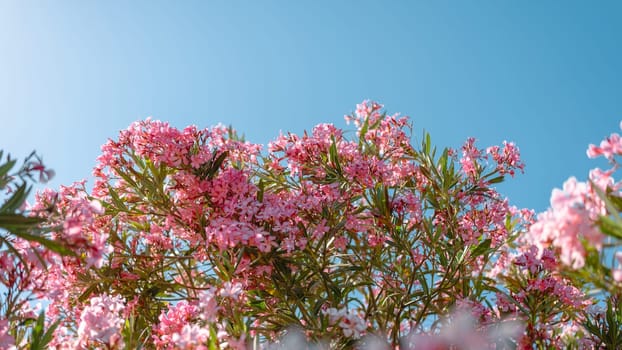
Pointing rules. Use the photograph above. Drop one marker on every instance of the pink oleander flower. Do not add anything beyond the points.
(101, 321)
(533, 283)
(234, 239)
(208, 306)
(191, 337)
(535, 261)
(172, 323)
(80, 219)
(570, 218)
(351, 324)
(45, 174)
(470, 156)
(508, 159)
(609, 147)
(231, 290)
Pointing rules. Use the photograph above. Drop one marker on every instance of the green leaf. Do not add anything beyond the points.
(258, 305)
(213, 339)
(496, 180)
(481, 248)
(615, 200)
(333, 155)
(462, 255)
(610, 226)
(216, 163)
(611, 208)
(424, 284)
(47, 243)
(427, 144)
(40, 339)
(16, 200)
(49, 334)
(261, 189)
(127, 178)
(87, 292)
(6, 167)
(363, 132)
(18, 221)
(116, 200)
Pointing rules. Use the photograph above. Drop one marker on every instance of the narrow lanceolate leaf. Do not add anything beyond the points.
(52, 245)
(216, 163)
(363, 131)
(482, 248)
(119, 204)
(496, 180)
(616, 201)
(261, 187)
(213, 339)
(16, 200)
(334, 156)
(37, 333)
(18, 222)
(610, 226)
(611, 208)
(6, 167)
(427, 144)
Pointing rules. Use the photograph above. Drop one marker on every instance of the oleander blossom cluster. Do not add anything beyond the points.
(572, 219)
(198, 239)
(101, 322)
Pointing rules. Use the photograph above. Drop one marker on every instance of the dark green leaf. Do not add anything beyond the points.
(39, 339)
(260, 190)
(87, 292)
(610, 226)
(18, 221)
(47, 243)
(616, 201)
(363, 131)
(6, 167)
(481, 248)
(216, 163)
(16, 200)
(496, 180)
(333, 155)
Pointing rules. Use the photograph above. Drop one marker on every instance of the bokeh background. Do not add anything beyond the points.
(544, 74)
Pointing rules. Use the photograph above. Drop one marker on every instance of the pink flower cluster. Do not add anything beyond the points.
(198, 240)
(101, 322)
(187, 325)
(172, 322)
(609, 147)
(576, 209)
(542, 280)
(507, 158)
(170, 191)
(571, 218)
(351, 323)
(76, 220)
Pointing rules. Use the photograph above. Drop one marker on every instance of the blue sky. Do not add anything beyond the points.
(545, 74)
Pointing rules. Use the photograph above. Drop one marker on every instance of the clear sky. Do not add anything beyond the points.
(545, 74)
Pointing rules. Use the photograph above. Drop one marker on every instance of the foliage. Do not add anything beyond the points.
(196, 239)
